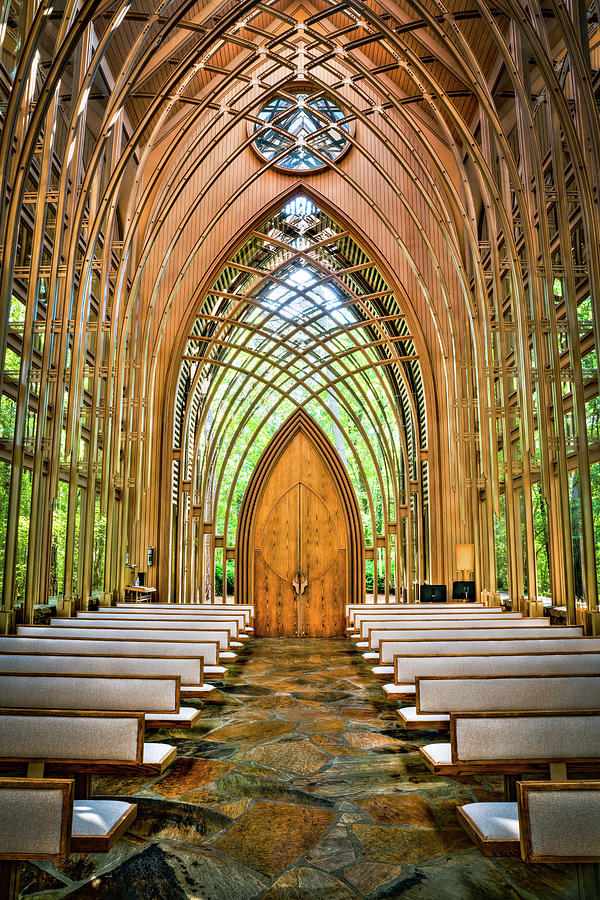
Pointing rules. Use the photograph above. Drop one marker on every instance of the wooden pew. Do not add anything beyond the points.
(486, 645)
(517, 742)
(463, 631)
(188, 669)
(408, 668)
(389, 615)
(158, 697)
(194, 629)
(126, 618)
(220, 636)
(502, 620)
(551, 822)
(187, 608)
(41, 820)
(406, 608)
(77, 741)
(439, 696)
(206, 650)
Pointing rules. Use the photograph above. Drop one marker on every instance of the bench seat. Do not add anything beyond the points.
(111, 646)
(380, 671)
(156, 759)
(488, 646)
(414, 721)
(399, 691)
(438, 757)
(408, 668)
(517, 742)
(185, 718)
(196, 690)
(98, 824)
(493, 827)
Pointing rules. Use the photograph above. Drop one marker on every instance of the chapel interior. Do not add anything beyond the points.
(300, 449)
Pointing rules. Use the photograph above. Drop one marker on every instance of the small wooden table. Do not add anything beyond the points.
(141, 593)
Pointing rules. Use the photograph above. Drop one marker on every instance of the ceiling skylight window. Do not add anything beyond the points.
(306, 126)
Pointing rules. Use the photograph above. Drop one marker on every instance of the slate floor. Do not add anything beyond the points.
(297, 784)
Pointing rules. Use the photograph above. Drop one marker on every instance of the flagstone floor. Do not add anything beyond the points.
(297, 783)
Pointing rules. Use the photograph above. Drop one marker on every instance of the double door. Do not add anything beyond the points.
(300, 578)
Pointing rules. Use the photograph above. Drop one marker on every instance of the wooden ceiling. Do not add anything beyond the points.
(328, 34)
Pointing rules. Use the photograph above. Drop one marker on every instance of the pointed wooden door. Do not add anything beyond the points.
(299, 547)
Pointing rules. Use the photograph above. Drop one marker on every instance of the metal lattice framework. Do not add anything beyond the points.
(129, 186)
(299, 318)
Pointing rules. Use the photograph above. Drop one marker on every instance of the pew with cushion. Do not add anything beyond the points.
(221, 636)
(550, 822)
(407, 668)
(206, 650)
(439, 696)
(158, 697)
(127, 619)
(40, 820)
(419, 609)
(187, 608)
(501, 620)
(478, 646)
(79, 741)
(461, 631)
(519, 742)
(189, 670)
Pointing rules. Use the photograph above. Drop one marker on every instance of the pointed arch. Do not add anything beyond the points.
(298, 422)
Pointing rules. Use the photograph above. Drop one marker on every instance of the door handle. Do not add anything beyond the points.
(299, 582)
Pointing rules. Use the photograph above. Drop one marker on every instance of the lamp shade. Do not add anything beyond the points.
(465, 557)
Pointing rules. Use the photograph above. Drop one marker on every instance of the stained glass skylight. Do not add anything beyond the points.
(304, 124)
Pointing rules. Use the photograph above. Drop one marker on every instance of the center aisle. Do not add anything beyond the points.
(297, 783)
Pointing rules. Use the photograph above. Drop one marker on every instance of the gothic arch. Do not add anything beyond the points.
(299, 421)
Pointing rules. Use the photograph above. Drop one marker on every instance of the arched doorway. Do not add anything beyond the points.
(300, 550)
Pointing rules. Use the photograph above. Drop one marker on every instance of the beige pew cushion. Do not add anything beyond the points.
(560, 821)
(188, 669)
(98, 824)
(407, 668)
(495, 821)
(458, 647)
(208, 650)
(128, 693)
(525, 736)
(135, 635)
(494, 827)
(440, 695)
(185, 718)
(35, 818)
(29, 735)
(459, 620)
(413, 720)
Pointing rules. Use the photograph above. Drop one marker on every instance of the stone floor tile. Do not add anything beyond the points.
(303, 883)
(398, 810)
(187, 774)
(368, 877)
(271, 836)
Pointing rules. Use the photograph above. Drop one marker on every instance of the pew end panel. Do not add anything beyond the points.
(559, 821)
(36, 817)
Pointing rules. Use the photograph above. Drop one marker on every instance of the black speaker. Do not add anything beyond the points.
(433, 593)
(464, 590)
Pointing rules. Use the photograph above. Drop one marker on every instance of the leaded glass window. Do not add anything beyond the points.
(305, 125)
